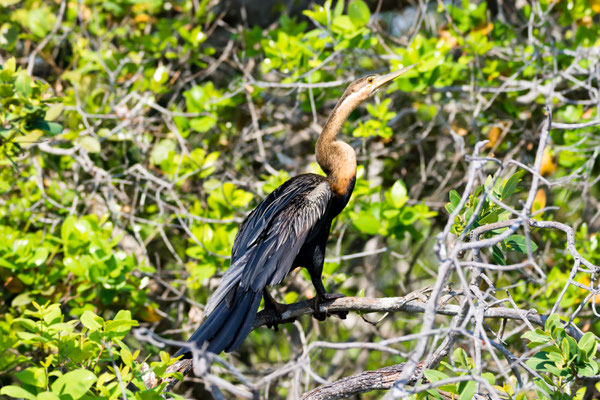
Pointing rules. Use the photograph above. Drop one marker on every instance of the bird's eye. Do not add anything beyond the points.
(370, 79)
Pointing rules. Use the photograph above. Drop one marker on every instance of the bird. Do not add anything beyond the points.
(288, 229)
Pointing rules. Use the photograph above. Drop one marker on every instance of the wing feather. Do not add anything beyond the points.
(262, 216)
(272, 235)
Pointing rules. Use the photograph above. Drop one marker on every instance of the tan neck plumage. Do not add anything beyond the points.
(335, 157)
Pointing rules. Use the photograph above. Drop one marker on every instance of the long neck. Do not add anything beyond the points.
(335, 157)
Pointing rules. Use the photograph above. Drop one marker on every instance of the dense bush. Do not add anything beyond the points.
(136, 136)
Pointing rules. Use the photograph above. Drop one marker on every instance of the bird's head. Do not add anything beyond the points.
(363, 88)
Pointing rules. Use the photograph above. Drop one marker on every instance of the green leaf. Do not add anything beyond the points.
(75, 383)
(162, 151)
(359, 13)
(9, 36)
(367, 223)
(538, 336)
(556, 355)
(454, 198)
(434, 376)
(398, 194)
(47, 396)
(26, 323)
(489, 218)
(202, 271)
(519, 243)
(52, 314)
(491, 378)
(10, 65)
(461, 357)
(127, 357)
(430, 63)
(90, 143)
(6, 90)
(123, 315)
(564, 348)
(40, 20)
(408, 216)
(164, 356)
(290, 297)
(17, 392)
(433, 394)
(342, 23)
(541, 384)
(91, 321)
(203, 124)
(467, 390)
(121, 323)
(53, 128)
(33, 376)
(339, 8)
(587, 343)
(498, 255)
(391, 213)
(24, 84)
(589, 369)
(22, 299)
(552, 322)
(540, 362)
(572, 347)
(40, 256)
(511, 184)
(54, 111)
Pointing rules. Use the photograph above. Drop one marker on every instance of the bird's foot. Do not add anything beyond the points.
(318, 300)
(278, 309)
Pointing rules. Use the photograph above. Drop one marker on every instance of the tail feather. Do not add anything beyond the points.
(226, 327)
(246, 325)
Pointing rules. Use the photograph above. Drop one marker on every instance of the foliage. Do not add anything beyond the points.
(146, 131)
(391, 217)
(34, 267)
(464, 389)
(562, 361)
(473, 214)
(88, 355)
(27, 111)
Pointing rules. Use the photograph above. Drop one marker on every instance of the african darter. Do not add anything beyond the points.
(288, 229)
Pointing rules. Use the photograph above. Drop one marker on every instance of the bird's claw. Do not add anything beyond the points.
(278, 309)
(327, 297)
(275, 324)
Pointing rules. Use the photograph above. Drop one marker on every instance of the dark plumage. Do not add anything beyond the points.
(288, 229)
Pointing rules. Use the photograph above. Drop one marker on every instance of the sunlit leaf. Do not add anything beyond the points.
(74, 384)
(359, 13)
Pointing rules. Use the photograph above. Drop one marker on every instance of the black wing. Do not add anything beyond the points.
(263, 253)
(258, 220)
(272, 235)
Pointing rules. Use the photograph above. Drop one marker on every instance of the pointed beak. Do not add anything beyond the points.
(382, 80)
